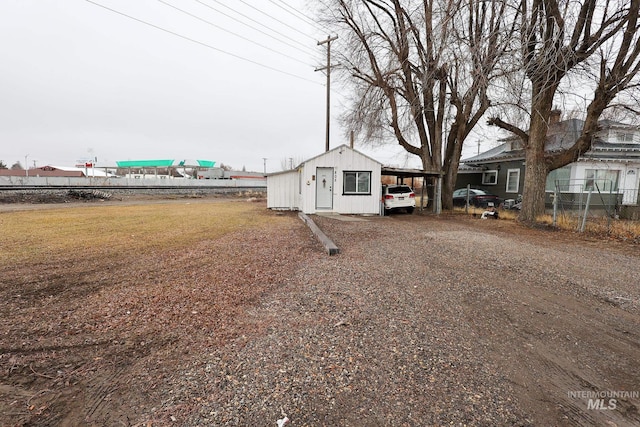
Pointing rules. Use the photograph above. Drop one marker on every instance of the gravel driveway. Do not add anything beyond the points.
(424, 321)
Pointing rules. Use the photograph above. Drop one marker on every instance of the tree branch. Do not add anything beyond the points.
(496, 121)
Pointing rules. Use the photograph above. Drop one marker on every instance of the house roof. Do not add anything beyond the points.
(501, 152)
(561, 136)
(605, 151)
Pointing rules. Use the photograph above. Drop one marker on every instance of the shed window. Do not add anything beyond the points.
(357, 182)
(490, 177)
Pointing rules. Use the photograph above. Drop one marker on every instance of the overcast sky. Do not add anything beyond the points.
(79, 81)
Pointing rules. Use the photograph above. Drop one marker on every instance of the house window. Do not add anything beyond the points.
(357, 182)
(601, 180)
(513, 180)
(561, 178)
(624, 137)
(490, 177)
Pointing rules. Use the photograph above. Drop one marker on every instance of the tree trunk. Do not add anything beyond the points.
(536, 167)
(535, 179)
(448, 186)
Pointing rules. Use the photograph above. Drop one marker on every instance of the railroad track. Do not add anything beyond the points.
(127, 187)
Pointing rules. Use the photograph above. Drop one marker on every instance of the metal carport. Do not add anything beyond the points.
(402, 173)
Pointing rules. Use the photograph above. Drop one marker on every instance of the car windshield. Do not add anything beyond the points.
(399, 190)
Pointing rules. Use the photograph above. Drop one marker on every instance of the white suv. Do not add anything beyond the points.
(398, 197)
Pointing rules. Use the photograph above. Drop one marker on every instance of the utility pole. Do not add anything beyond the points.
(265, 165)
(328, 68)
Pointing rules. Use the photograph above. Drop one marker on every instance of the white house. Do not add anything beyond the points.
(610, 168)
(341, 180)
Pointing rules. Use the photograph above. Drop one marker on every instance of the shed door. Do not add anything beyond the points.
(324, 188)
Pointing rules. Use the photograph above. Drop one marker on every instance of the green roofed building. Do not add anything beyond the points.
(145, 163)
(205, 163)
(162, 163)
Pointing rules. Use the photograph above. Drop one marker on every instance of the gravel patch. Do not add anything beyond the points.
(406, 327)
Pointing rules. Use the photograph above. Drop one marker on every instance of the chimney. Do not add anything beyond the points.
(554, 117)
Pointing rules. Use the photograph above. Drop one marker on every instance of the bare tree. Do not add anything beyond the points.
(420, 72)
(288, 163)
(564, 44)
(17, 166)
(3, 165)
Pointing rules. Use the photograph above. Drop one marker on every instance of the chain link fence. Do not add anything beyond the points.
(579, 201)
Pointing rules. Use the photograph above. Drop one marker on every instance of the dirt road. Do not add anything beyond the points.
(418, 321)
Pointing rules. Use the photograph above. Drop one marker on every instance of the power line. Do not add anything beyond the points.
(277, 20)
(301, 16)
(307, 51)
(202, 43)
(231, 32)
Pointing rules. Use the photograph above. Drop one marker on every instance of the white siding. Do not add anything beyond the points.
(296, 190)
(342, 159)
(282, 191)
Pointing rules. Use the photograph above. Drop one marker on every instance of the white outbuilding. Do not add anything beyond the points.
(341, 180)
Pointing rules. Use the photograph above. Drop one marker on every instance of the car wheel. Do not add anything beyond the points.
(410, 210)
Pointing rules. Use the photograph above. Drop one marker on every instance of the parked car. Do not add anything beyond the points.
(398, 197)
(478, 198)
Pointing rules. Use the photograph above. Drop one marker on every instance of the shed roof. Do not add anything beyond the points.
(339, 147)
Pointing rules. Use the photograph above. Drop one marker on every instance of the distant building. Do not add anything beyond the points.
(163, 169)
(56, 172)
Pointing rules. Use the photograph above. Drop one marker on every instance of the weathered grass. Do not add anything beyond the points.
(600, 226)
(119, 230)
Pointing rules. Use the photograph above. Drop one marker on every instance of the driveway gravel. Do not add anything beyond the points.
(424, 321)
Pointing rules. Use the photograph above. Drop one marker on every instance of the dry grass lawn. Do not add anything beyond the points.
(101, 302)
(118, 231)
